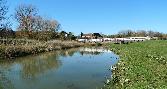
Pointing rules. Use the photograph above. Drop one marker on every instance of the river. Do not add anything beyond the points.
(77, 68)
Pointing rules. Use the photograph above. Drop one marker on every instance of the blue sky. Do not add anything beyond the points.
(103, 16)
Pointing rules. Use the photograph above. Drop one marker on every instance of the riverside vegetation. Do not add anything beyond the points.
(141, 66)
(11, 48)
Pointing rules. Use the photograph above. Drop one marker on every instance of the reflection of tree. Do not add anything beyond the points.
(92, 53)
(81, 52)
(34, 66)
(69, 52)
(96, 53)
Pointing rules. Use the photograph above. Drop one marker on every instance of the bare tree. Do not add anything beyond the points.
(44, 29)
(3, 12)
(24, 14)
(41, 24)
(5, 30)
(150, 33)
(126, 33)
(141, 33)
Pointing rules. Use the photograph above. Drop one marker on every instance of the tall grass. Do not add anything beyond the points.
(11, 48)
(142, 66)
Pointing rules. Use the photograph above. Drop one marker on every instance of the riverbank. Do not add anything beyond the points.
(142, 66)
(12, 48)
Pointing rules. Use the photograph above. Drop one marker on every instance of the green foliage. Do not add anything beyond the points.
(142, 66)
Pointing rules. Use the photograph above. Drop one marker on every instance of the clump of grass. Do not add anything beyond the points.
(142, 66)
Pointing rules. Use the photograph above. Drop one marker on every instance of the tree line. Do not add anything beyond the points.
(31, 25)
(139, 33)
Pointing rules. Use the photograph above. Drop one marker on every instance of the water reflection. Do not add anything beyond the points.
(40, 64)
(93, 51)
(69, 52)
(65, 69)
(5, 83)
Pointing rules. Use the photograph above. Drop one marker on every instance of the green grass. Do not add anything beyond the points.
(142, 65)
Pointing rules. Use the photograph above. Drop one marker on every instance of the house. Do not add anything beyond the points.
(87, 36)
(91, 36)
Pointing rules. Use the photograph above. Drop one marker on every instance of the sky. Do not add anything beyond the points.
(102, 16)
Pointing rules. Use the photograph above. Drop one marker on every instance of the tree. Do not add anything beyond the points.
(142, 33)
(150, 33)
(62, 35)
(34, 26)
(5, 30)
(45, 29)
(70, 35)
(81, 34)
(24, 14)
(3, 12)
(7, 33)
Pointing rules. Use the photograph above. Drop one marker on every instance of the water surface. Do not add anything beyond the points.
(79, 68)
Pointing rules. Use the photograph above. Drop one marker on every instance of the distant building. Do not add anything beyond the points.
(91, 36)
(140, 38)
(87, 36)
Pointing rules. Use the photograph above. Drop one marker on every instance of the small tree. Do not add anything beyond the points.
(62, 35)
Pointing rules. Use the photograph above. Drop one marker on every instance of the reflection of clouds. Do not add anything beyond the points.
(93, 51)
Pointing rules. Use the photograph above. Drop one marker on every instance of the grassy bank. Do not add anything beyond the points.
(142, 65)
(11, 48)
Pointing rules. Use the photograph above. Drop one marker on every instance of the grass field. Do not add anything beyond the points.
(142, 65)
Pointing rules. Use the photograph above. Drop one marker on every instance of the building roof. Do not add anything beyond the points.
(97, 34)
(89, 34)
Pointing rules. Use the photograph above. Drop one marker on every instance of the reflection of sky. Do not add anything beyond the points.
(63, 69)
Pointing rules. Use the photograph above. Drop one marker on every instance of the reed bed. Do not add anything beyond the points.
(12, 48)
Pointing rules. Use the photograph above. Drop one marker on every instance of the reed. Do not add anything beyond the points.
(12, 48)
